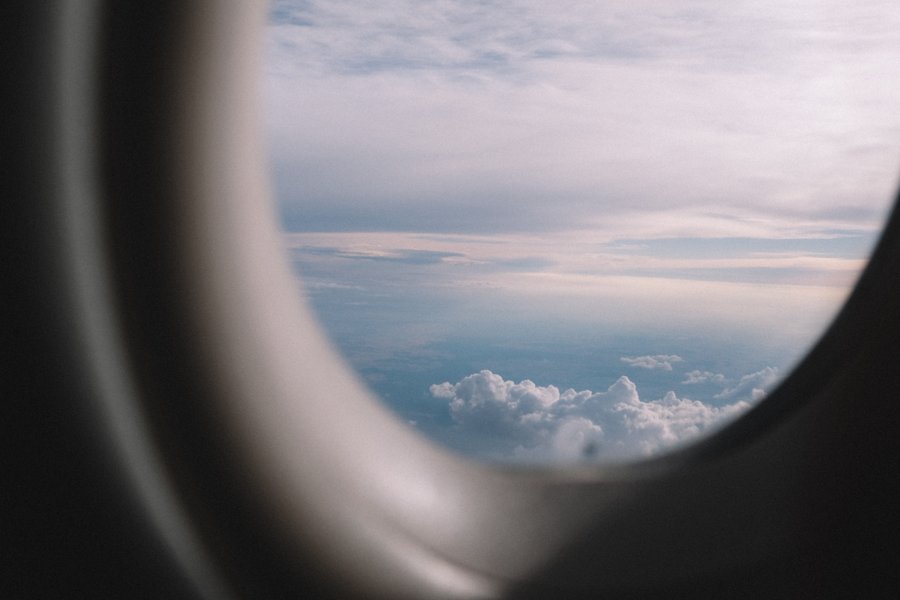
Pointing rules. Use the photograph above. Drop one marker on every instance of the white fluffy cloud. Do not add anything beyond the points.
(527, 422)
(657, 361)
(695, 377)
(751, 386)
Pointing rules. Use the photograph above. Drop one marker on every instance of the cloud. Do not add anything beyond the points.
(658, 361)
(753, 386)
(394, 255)
(522, 421)
(473, 116)
(695, 377)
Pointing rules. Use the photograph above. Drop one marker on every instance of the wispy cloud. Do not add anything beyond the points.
(397, 255)
(595, 281)
(820, 261)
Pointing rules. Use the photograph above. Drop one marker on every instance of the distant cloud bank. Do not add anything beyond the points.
(658, 361)
(695, 377)
(522, 421)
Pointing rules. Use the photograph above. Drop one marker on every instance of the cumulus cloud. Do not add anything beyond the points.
(695, 377)
(753, 386)
(527, 422)
(658, 361)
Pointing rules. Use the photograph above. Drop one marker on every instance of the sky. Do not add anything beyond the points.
(548, 232)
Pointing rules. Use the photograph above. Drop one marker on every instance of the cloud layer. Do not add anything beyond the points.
(522, 421)
(521, 116)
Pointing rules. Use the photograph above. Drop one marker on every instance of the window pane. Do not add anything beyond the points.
(545, 232)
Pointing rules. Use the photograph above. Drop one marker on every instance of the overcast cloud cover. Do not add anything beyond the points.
(514, 115)
(688, 189)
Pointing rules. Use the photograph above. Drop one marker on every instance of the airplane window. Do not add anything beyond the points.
(545, 234)
(482, 201)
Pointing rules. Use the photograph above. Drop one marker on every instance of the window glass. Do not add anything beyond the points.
(579, 231)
